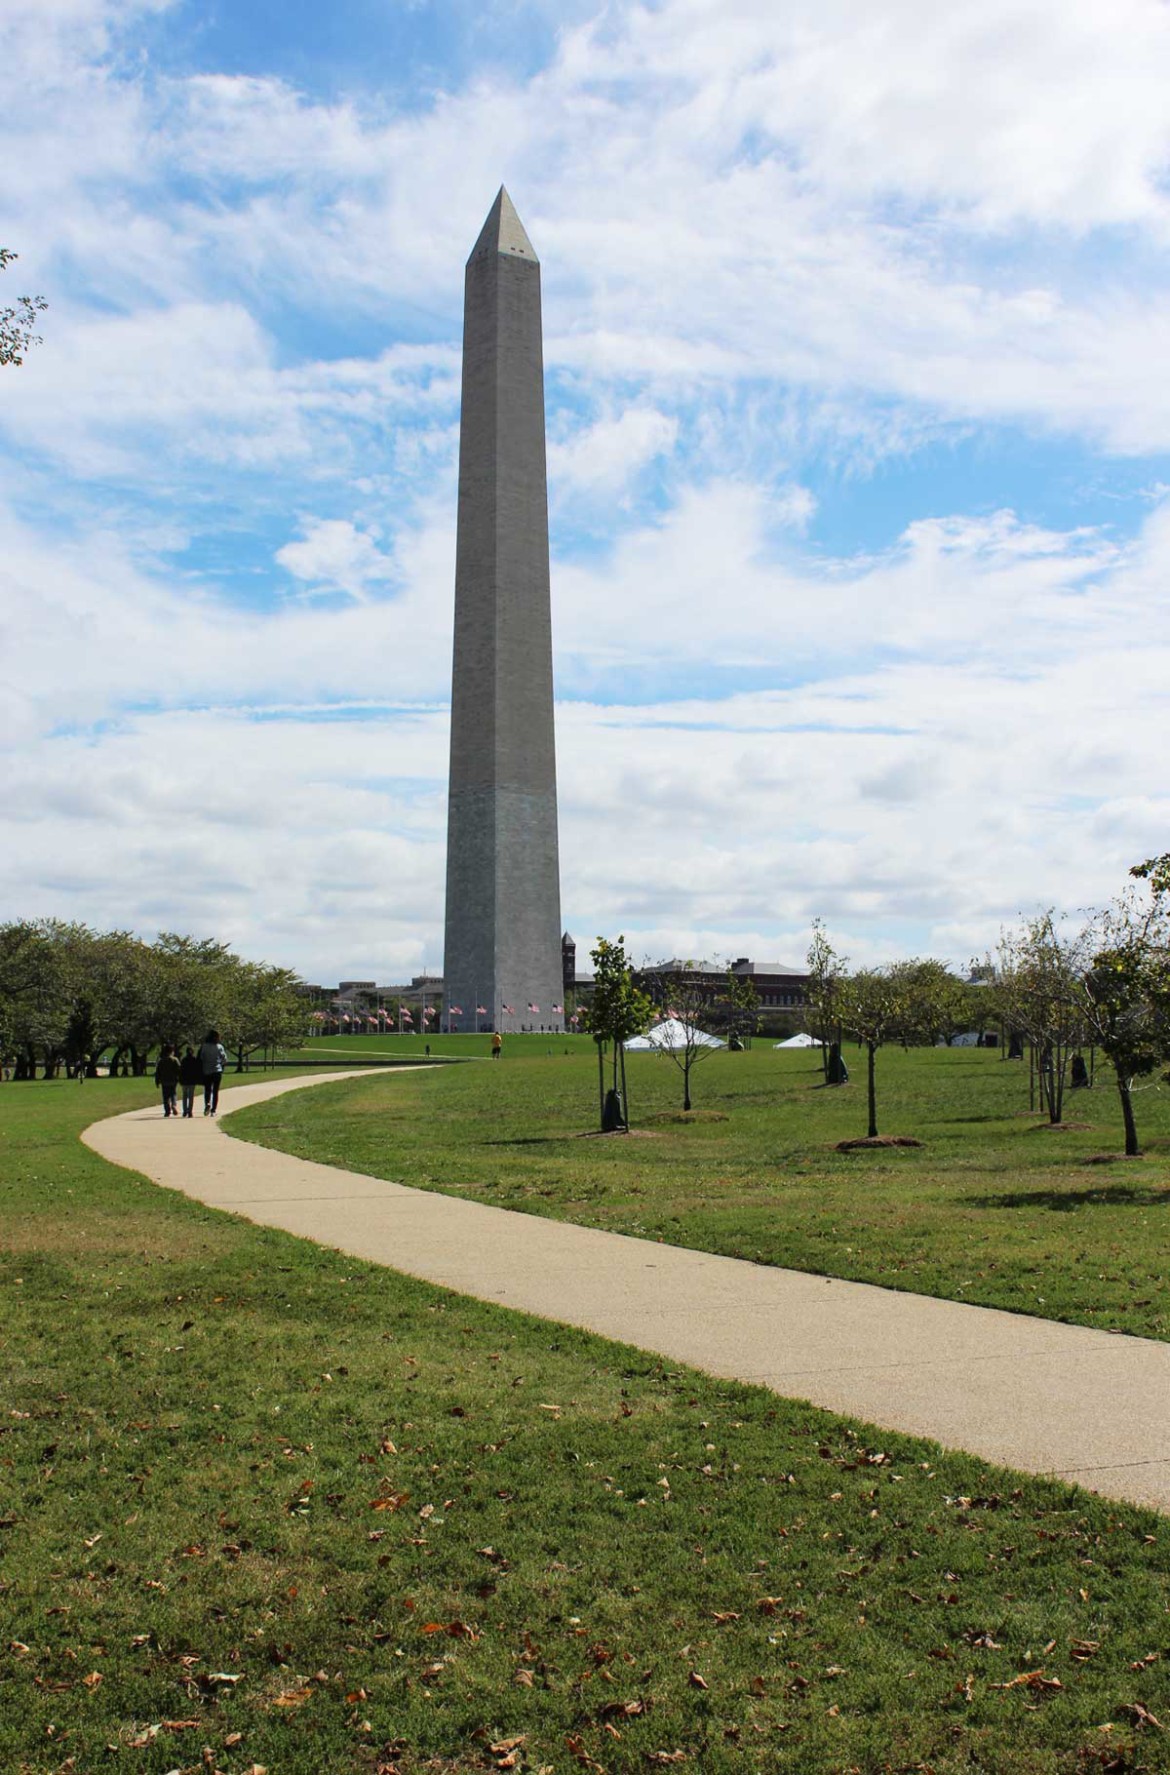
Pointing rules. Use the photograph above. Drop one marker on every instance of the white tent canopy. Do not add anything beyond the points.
(803, 1040)
(672, 1034)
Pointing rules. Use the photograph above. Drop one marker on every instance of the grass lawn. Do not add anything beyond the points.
(993, 1208)
(265, 1507)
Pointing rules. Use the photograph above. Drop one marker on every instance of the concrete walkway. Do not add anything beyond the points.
(1046, 1398)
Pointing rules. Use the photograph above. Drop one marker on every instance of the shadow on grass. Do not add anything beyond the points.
(536, 1140)
(1115, 1195)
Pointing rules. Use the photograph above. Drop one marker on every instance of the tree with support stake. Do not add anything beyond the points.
(618, 1011)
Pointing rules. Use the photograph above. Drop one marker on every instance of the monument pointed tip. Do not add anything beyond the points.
(503, 232)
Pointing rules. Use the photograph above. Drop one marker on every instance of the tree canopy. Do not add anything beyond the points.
(70, 995)
(18, 321)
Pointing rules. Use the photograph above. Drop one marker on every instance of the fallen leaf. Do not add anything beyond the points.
(391, 1501)
(723, 1616)
(578, 1751)
(523, 1679)
(768, 1605)
(1031, 1679)
(93, 1680)
(1084, 1649)
(696, 1681)
(1141, 1715)
(292, 1697)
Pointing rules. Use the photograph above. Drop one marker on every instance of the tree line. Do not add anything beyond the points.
(1054, 987)
(72, 998)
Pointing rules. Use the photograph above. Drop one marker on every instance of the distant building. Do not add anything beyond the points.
(778, 986)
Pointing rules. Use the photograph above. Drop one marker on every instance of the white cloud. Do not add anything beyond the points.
(1006, 754)
(332, 556)
(605, 456)
(762, 231)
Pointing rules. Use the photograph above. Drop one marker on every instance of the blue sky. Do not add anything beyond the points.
(859, 437)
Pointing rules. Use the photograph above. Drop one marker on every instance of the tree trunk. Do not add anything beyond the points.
(600, 1084)
(687, 1081)
(873, 1128)
(1132, 1148)
(625, 1097)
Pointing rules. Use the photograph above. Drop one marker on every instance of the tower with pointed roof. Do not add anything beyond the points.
(502, 961)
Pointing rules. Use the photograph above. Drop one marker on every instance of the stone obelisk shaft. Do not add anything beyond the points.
(503, 937)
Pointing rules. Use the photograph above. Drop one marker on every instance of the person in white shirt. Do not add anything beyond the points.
(212, 1060)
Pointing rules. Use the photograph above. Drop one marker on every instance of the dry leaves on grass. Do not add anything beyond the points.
(457, 1629)
(1141, 1715)
(393, 1500)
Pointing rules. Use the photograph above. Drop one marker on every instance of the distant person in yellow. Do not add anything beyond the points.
(497, 1045)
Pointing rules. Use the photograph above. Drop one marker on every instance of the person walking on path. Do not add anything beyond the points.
(190, 1075)
(212, 1060)
(497, 1044)
(166, 1075)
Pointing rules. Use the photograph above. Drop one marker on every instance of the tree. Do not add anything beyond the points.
(17, 323)
(935, 1003)
(702, 1001)
(872, 1004)
(38, 983)
(1127, 992)
(1155, 870)
(618, 1010)
(826, 972)
(1041, 982)
(259, 1008)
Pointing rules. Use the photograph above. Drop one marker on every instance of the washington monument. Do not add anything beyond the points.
(502, 961)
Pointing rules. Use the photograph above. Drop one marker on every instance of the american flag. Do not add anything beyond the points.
(406, 1017)
(455, 1011)
(507, 1010)
(558, 1010)
(535, 1008)
(481, 1010)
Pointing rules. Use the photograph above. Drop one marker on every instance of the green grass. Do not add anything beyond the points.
(416, 1529)
(993, 1208)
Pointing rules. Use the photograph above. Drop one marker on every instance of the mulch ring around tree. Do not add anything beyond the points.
(851, 1146)
(1059, 1127)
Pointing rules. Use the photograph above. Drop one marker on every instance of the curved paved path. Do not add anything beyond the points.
(1046, 1398)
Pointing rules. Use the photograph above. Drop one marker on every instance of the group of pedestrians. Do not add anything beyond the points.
(187, 1073)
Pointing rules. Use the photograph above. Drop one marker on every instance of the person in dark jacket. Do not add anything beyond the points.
(212, 1060)
(166, 1076)
(190, 1075)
